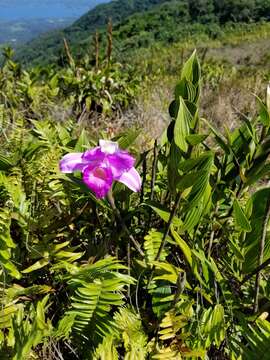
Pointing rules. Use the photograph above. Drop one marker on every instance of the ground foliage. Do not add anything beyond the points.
(74, 285)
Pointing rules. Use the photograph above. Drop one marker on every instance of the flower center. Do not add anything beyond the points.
(100, 173)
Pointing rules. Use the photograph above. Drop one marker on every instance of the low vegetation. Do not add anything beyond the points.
(176, 271)
(179, 269)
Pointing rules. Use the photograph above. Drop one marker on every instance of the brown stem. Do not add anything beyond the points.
(124, 227)
(110, 40)
(172, 215)
(166, 233)
(129, 267)
(210, 244)
(68, 53)
(254, 272)
(153, 180)
(96, 39)
(144, 171)
(154, 170)
(260, 259)
(180, 286)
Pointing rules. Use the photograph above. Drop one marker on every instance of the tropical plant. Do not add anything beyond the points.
(176, 271)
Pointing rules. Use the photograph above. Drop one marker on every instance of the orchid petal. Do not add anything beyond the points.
(94, 157)
(108, 147)
(72, 162)
(119, 163)
(131, 179)
(99, 180)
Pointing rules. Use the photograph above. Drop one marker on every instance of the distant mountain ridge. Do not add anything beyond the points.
(23, 20)
(141, 23)
(17, 32)
(46, 48)
(36, 9)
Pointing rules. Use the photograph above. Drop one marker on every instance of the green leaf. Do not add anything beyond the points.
(218, 137)
(5, 163)
(182, 126)
(187, 91)
(256, 173)
(11, 268)
(82, 143)
(191, 69)
(163, 212)
(126, 139)
(260, 201)
(36, 266)
(187, 181)
(195, 139)
(152, 242)
(174, 161)
(264, 115)
(240, 217)
(183, 246)
(236, 250)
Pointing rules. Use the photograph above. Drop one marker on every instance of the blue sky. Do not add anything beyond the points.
(29, 9)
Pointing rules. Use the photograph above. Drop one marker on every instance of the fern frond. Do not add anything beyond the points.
(106, 350)
(97, 289)
(152, 244)
(6, 245)
(132, 333)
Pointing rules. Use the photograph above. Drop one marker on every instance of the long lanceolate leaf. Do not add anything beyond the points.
(191, 69)
(256, 340)
(182, 126)
(199, 198)
(260, 206)
(240, 217)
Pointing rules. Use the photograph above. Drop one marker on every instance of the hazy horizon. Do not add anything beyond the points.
(23, 20)
(12, 10)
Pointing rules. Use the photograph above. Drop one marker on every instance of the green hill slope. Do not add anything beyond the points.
(141, 23)
(47, 47)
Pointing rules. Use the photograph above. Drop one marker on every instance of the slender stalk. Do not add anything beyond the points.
(166, 233)
(129, 267)
(180, 284)
(153, 181)
(68, 53)
(96, 43)
(144, 171)
(260, 259)
(154, 170)
(254, 272)
(210, 244)
(110, 41)
(121, 220)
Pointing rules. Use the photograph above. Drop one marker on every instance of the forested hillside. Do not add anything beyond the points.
(139, 23)
(48, 47)
(24, 20)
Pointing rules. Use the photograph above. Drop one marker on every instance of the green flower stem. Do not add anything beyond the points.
(121, 220)
(166, 233)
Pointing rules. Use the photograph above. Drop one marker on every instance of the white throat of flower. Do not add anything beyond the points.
(108, 147)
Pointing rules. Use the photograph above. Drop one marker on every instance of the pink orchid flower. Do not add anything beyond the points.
(102, 165)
